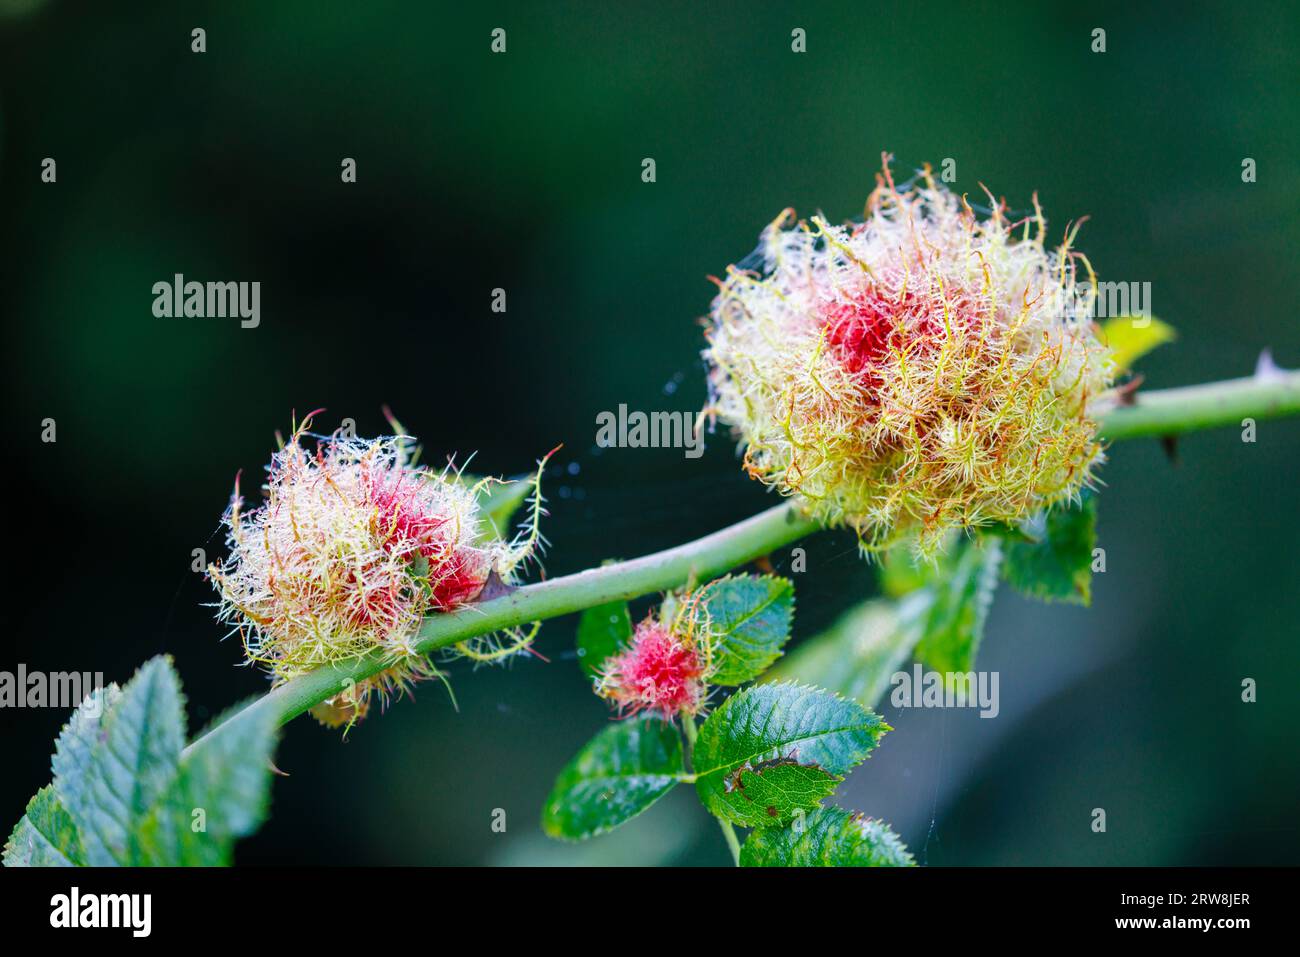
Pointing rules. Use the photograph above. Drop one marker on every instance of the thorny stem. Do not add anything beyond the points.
(1157, 413)
(1175, 411)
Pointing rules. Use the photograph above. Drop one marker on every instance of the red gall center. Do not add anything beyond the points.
(658, 672)
(458, 571)
(865, 329)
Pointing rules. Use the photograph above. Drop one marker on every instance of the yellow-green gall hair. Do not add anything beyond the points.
(923, 370)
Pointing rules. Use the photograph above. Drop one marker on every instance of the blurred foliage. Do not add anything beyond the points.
(1132, 337)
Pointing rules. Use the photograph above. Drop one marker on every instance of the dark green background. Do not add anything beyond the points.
(523, 171)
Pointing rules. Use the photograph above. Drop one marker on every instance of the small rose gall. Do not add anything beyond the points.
(660, 672)
(352, 547)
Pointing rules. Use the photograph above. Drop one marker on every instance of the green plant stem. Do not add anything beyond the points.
(728, 832)
(733, 842)
(1157, 413)
(1175, 411)
(701, 559)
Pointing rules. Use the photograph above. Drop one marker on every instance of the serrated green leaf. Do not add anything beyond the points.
(123, 793)
(963, 588)
(857, 655)
(221, 794)
(826, 837)
(749, 623)
(602, 632)
(621, 772)
(776, 748)
(132, 765)
(1131, 337)
(73, 765)
(45, 835)
(1055, 564)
